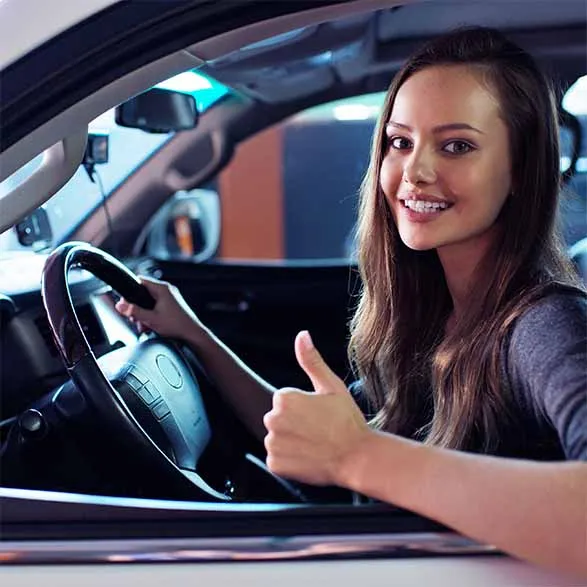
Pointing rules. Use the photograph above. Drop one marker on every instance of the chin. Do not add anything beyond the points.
(418, 243)
(419, 247)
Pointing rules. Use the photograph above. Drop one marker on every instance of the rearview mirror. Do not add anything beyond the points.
(158, 111)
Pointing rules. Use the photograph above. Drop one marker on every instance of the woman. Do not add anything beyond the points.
(456, 242)
(470, 330)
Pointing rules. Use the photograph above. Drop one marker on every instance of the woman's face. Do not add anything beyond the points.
(446, 172)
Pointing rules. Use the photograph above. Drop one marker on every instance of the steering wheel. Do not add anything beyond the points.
(148, 396)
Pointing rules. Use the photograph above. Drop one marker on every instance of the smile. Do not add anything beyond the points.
(426, 207)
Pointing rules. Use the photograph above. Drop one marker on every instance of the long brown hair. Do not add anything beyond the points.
(448, 391)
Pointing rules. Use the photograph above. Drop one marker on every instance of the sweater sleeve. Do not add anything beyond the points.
(548, 361)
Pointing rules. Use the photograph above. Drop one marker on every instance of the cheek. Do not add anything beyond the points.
(485, 188)
(389, 179)
(493, 179)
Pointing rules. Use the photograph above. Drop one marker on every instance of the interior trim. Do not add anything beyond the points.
(388, 546)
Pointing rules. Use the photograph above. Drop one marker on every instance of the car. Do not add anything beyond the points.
(219, 146)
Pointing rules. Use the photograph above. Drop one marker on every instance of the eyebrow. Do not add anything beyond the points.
(441, 128)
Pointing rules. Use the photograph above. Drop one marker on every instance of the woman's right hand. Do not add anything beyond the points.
(171, 315)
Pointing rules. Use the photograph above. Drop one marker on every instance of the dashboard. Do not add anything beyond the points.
(30, 364)
(76, 455)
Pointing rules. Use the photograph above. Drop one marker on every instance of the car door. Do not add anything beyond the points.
(258, 310)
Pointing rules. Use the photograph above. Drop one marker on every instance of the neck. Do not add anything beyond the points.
(459, 263)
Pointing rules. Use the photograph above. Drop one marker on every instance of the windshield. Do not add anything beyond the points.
(128, 148)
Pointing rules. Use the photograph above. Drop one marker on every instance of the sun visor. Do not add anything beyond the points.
(59, 163)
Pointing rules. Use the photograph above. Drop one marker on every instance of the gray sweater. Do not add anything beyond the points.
(545, 371)
(546, 366)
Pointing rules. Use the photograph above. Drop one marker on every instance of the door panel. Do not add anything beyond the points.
(257, 310)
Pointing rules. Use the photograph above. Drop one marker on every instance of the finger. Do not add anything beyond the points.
(271, 442)
(138, 314)
(270, 420)
(121, 306)
(143, 328)
(284, 414)
(152, 282)
(322, 377)
(124, 308)
(284, 397)
(276, 466)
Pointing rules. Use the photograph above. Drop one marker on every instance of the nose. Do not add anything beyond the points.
(420, 167)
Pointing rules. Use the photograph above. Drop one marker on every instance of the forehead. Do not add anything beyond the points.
(446, 94)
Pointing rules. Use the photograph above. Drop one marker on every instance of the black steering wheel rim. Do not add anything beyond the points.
(98, 390)
(68, 334)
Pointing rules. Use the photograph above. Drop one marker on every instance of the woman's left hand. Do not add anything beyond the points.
(312, 436)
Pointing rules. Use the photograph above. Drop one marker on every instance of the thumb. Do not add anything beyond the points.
(321, 375)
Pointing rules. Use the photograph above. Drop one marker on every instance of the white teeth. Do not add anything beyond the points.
(423, 206)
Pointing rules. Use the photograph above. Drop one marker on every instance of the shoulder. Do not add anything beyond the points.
(552, 328)
(546, 362)
(559, 311)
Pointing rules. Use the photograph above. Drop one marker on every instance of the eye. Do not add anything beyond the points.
(399, 143)
(458, 147)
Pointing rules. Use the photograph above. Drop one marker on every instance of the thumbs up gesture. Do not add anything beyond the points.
(311, 437)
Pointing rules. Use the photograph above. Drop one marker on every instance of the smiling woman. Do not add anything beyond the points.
(464, 274)
(460, 314)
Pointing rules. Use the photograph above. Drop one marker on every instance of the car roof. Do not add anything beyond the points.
(366, 49)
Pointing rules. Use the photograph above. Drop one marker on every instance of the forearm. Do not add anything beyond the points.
(242, 388)
(536, 511)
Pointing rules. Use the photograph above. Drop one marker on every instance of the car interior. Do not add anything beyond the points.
(245, 199)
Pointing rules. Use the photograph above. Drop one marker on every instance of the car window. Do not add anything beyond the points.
(302, 178)
(574, 202)
(127, 148)
(324, 151)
